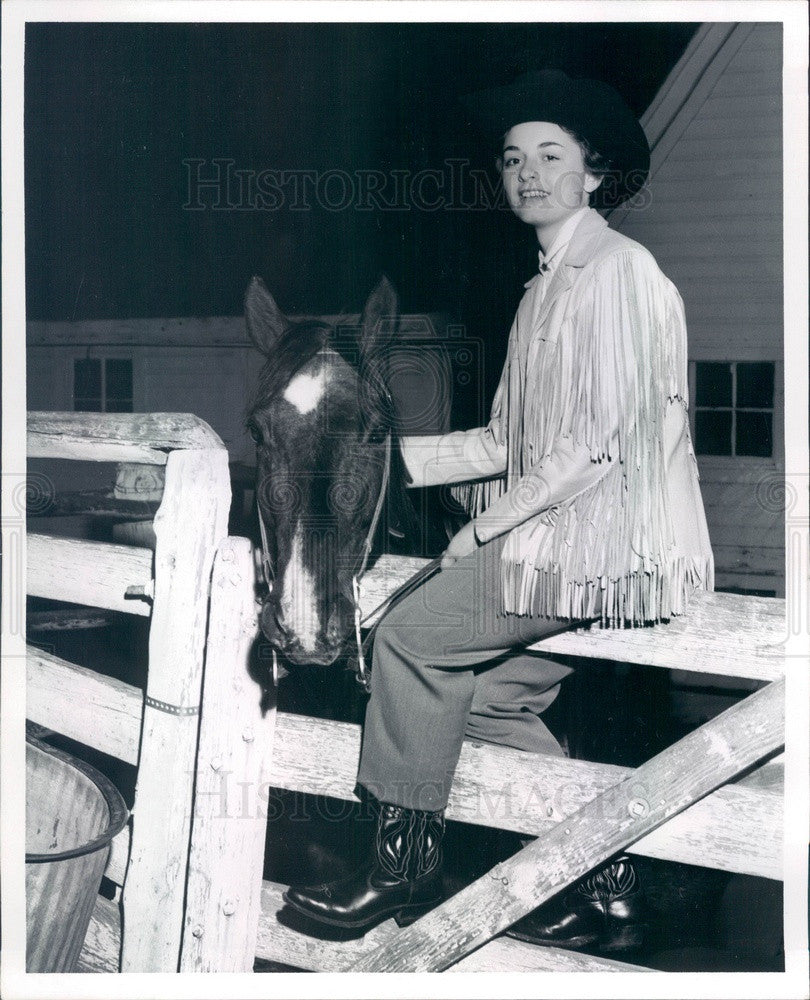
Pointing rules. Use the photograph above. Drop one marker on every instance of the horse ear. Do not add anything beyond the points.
(379, 320)
(265, 321)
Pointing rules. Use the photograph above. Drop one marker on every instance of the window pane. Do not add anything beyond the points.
(754, 433)
(87, 378)
(87, 404)
(712, 384)
(119, 380)
(713, 432)
(755, 384)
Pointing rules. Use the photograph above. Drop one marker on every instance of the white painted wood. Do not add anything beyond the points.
(688, 86)
(736, 828)
(97, 574)
(677, 89)
(223, 899)
(773, 583)
(190, 525)
(278, 942)
(116, 437)
(750, 561)
(137, 533)
(656, 791)
(730, 634)
(192, 331)
(95, 710)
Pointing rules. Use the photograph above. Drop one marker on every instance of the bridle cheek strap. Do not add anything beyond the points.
(362, 671)
(269, 575)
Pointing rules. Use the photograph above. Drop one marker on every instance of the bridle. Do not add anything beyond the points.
(361, 645)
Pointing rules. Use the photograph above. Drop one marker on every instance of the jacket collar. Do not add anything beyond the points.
(584, 240)
(583, 244)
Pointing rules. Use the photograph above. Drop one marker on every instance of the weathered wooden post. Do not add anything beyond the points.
(189, 526)
(223, 902)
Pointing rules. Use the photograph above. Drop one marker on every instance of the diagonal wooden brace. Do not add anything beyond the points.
(691, 768)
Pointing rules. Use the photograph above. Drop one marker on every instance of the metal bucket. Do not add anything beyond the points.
(72, 814)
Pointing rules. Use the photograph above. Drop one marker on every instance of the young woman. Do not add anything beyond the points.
(585, 506)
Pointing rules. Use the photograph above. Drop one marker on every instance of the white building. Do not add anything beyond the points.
(713, 220)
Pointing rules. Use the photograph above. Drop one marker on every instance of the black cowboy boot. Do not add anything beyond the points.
(402, 878)
(606, 910)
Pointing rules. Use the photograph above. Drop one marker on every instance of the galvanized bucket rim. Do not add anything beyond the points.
(119, 814)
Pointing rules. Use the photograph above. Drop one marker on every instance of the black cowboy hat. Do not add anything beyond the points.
(591, 109)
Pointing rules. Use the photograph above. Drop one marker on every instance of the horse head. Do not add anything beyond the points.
(322, 422)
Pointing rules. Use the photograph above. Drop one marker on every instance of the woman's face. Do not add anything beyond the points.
(544, 175)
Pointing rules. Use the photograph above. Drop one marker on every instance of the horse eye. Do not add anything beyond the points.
(255, 433)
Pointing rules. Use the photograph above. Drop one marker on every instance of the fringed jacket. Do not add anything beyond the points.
(587, 461)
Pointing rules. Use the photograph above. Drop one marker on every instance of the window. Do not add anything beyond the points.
(102, 385)
(733, 408)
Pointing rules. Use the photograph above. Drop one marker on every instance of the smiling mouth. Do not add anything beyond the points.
(533, 195)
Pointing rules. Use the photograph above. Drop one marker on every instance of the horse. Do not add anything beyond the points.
(328, 464)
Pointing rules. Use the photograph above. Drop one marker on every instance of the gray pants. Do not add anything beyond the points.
(447, 666)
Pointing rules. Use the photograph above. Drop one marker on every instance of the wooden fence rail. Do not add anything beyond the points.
(171, 585)
(221, 736)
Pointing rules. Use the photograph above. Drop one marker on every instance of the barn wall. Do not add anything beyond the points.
(713, 220)
(208, 367)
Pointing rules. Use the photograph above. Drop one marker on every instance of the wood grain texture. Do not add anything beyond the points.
(86, 706)
(732, 634)
(102, 944)
(95, 503)
(223, 898)
(737, 828)
(279, 942)
(736, 635)
(190, 525)
(93, 573)
(116, 869)
(116, 437)
(60, 620)
(656, 791)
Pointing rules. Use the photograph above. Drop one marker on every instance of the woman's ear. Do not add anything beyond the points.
(591, 182)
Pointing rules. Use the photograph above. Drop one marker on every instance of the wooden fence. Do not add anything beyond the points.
(687, 804)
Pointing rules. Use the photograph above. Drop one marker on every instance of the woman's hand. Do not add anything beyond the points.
(462, 544)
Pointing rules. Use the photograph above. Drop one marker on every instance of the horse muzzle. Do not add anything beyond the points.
(321, 649)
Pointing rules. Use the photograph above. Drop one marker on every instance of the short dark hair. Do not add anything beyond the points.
(595, 163)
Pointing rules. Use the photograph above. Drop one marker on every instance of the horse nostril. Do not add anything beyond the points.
(282, 628)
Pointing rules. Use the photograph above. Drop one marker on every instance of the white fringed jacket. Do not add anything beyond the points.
(587, 460)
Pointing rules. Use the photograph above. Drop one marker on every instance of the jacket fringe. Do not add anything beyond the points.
(619, 361)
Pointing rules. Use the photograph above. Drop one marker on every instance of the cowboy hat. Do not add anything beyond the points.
(591, 109)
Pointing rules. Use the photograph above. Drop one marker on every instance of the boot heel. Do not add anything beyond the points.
(406, 916)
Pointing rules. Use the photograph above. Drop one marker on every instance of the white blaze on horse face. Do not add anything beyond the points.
(298, 608)
(306, 391)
